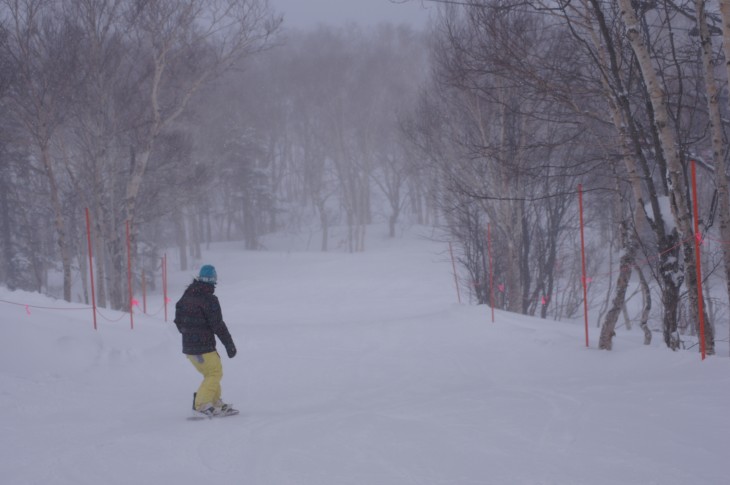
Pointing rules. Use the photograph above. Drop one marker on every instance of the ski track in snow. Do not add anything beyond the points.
(354, 370)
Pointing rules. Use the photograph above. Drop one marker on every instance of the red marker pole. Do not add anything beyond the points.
(583, 260)
(491, 269)
(129, 279)
(164, 282)
(698, 254)
(456, 280)
(144, 294)
(91, 265)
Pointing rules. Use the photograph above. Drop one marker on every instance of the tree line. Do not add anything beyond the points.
(531, 98)
(197, 121)
(191, 121)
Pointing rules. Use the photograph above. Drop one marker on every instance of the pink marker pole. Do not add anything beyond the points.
(583, 260)
(129, 279)
(144, 294)
(698, 257)
(456, 280)
(164, 282)
(91, 265)
(491, 269)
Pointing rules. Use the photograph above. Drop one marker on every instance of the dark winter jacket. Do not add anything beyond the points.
(199, 319)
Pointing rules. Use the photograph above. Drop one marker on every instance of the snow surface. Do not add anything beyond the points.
(665, 207)
(352, 369)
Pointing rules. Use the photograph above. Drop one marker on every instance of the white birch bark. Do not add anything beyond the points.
(718, 157)
(720, 168)
(680, 207)
(235, 27)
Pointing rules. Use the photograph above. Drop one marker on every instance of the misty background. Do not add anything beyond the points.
(368, 13)
(181, 123)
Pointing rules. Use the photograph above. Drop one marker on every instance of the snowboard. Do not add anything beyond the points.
(198, 416)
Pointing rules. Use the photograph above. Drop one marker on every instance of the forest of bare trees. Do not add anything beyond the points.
(197, 121)
(530, 99)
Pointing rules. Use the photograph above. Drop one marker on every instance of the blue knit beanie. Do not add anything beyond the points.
(208, 274)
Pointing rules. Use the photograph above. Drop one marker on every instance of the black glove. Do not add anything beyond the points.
(231, 351)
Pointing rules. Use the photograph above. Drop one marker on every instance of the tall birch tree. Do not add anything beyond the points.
(186, 43)
(42, 47)
(668, 144)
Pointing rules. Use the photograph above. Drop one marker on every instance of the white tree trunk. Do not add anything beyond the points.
(718, 156)
(680, 205)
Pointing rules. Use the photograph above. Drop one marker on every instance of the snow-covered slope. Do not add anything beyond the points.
(352, 369)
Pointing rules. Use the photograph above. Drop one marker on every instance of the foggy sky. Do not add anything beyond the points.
(306, 14)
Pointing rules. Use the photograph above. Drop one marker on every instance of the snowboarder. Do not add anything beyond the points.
(199, 319)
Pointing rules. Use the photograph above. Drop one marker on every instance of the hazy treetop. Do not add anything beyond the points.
(307, 14)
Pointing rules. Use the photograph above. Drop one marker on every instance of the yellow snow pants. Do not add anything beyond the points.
(210, 366)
